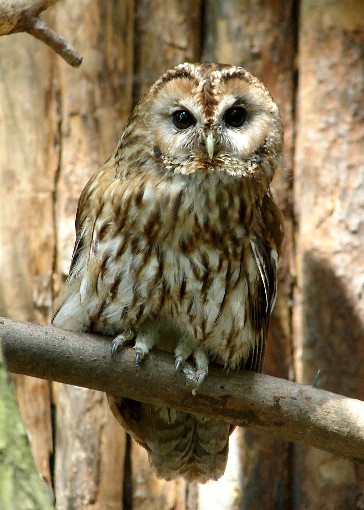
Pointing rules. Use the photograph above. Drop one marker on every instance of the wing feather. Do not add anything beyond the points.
(265, 242)
(70, 314)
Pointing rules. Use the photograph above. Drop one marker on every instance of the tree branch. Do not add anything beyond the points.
(22, 16)
(282, 408)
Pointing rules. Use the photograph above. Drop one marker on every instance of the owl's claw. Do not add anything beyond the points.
(200, 377)
(180, 362)
(183, 350)
(139, 356)
(143, 343)
(121, 341)
(115, 346)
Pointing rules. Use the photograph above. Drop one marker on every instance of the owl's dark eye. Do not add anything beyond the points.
(235, 116)
(183, 119)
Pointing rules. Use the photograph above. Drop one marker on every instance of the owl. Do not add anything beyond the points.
(177, 242)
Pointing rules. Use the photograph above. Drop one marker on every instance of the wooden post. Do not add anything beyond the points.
(329, 186)
(260, 36)
(28, 155)
(94, 103)
(167, 33)
(21, 487)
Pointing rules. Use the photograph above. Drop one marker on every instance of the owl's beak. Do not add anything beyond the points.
(210, 144)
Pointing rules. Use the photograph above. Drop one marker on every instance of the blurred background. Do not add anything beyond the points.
(59, 124)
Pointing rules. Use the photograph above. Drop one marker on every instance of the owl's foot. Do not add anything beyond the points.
(180, 362)
(182, 352)
(125, 338)
(202, 368)
(142, 346)
(200, 376)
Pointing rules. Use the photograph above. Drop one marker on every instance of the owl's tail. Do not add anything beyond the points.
(178, 444)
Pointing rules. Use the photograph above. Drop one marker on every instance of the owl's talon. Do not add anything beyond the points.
(121, 341)
(180, 362)
(139, 356)
(115, 346)
(200, 377)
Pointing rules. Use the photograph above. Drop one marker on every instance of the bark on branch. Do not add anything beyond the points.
(282, 408)
(22, 16)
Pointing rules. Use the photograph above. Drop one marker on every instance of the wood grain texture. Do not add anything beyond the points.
(94, 105)
(329, 183)
(26, 218)
(260, 36)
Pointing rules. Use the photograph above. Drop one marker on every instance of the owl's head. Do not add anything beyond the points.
(210, 118)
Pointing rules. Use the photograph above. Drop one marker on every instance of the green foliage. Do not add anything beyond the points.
(21, 488)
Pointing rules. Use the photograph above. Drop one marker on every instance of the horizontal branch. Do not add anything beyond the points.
(282, 408)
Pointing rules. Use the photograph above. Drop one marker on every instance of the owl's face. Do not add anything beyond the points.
(207, 118)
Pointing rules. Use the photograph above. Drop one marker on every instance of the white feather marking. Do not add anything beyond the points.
(71, 315)
(148, 195)
(274, 256)
(261, 268)
(83, 289)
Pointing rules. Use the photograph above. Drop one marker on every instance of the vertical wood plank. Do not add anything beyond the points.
(61, 124)
(167, 33)
(95, 101)
(329, 191)
(225, 493)
(260, 36)
(27, 124)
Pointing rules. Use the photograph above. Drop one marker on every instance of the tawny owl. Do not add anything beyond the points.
(177, 246)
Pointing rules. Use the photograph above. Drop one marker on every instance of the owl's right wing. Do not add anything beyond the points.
(70, 314)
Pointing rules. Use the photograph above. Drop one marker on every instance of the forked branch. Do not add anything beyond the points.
(22, 16)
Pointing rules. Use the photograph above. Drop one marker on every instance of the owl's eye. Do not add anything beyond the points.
(235, 116)
(183, 119)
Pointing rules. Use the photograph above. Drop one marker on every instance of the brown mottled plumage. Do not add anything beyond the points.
(177, 243)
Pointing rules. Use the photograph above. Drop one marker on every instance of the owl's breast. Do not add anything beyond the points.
(202, 287)
(177, 252)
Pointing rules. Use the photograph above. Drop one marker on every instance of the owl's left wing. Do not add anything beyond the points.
(265, 242)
